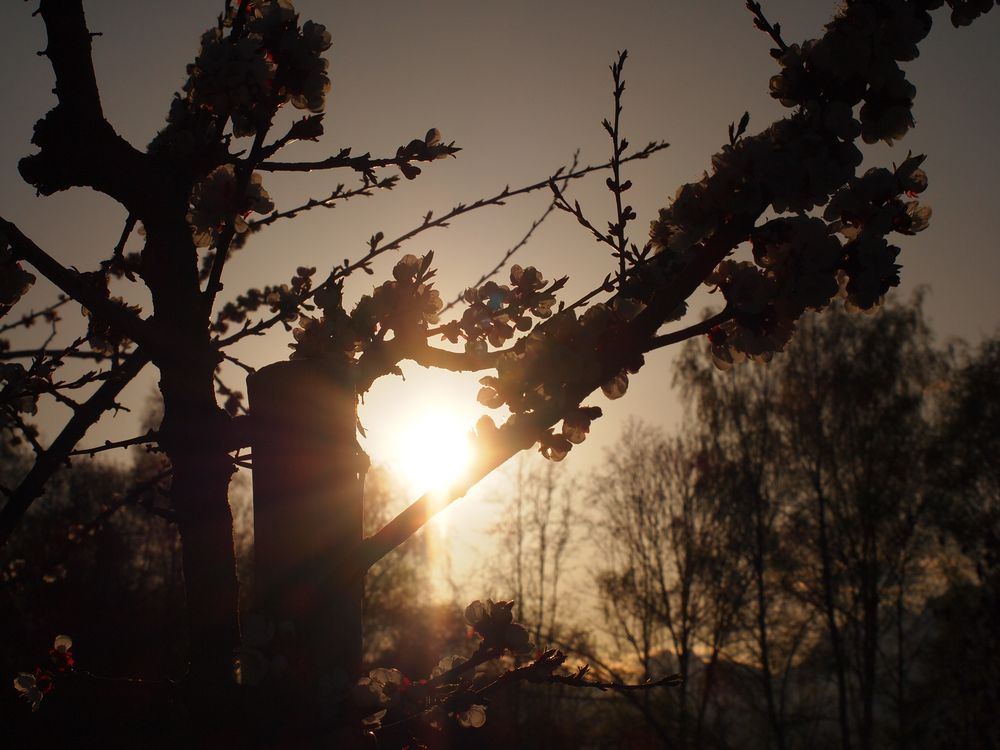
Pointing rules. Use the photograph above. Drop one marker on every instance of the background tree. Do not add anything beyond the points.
(813, 483)
(672, 588)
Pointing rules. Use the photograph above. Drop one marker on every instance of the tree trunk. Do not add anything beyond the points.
(763, 635)
(830, 611)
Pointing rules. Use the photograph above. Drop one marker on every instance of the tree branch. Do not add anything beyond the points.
(53, 353)
(56, 455)
(78, 147)
(697, 329)
(73, 284)
(615, 352)
(148, 437)
(378, 247)
(28, 319)
(364, 164)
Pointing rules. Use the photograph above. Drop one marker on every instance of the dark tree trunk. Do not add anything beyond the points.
(830, 611)
(192, 435)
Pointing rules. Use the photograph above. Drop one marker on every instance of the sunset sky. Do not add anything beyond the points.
(519, 86)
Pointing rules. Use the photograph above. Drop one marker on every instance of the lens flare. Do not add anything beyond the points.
(433, 450)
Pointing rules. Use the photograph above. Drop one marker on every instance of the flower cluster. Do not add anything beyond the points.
(845, 85)
(964, 12)
(494, 621)
(34, 686)
(404, 305)
(495, 312)
(864, 212)
(430, 148)
(801, 265)
(247, 75)
(856, 62)
(554, 359)
(389, 691)
(301, 70)
(378, 692)
(19, 389)
(102, 335)
(232, 78)
(14, 280)
(243, 78)
(217, 199)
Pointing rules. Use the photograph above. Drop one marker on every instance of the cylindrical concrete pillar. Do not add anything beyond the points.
(308, 482)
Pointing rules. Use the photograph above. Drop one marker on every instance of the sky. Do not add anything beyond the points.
(520, 86)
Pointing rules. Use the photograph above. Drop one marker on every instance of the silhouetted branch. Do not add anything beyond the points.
(222, 245)
(57, 453)
(73, 284)
(615, 184)
(616, 353)
(132, 497)
(364, 164)
(377, 246)
(697, 329)
(119, 252)
(339, 194)
(520, 244)
(148, 437)
(620, 687)
(53, 353)
(78, 147)
(762, 23)
(28, 319)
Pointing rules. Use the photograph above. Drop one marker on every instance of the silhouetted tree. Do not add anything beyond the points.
(826, 464)
(672, 587)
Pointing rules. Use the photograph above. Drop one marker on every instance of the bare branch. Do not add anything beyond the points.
(512, 250)
(378, 247)
(764, 25)
(55, 456)
(339, 194)
(28, 319)
(148, 437)
(364, 164)
(72, 283)
(698, 329)
(78, 146)
(52, 353)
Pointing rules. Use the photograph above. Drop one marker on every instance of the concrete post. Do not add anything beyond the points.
(308, 482)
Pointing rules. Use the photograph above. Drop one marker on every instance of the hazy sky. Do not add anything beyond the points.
(520, 86)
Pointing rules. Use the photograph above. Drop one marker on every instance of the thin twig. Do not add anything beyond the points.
(615, 184)
(343, 160)
(28, 319)
(339, 194)
(512, 250)
(56, 455)
(697, 329)
(378, 246)
(149, 437)
(764, 25)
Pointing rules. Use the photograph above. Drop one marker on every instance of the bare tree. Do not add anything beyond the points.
(671, 589)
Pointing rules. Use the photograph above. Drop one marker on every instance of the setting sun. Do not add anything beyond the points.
(432, 450)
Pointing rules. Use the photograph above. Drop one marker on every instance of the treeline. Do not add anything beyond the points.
(816, 552)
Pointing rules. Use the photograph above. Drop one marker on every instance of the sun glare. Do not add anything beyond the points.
(433, 450)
